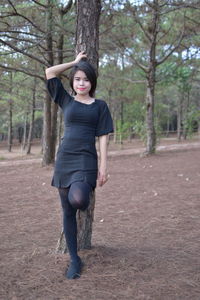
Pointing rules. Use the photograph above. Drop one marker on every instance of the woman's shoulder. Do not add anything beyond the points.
(55, 80)
(101, 103)
(58, 92)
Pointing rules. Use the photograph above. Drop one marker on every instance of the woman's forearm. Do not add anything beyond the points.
(58, 69)
(103, 145)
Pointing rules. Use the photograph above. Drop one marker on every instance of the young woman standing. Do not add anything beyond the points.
(76, 168)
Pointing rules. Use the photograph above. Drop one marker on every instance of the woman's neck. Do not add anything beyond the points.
(84, 98)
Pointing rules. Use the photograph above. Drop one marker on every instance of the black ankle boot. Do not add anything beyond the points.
(74, 270)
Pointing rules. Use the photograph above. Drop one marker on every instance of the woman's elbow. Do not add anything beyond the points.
(49, 73)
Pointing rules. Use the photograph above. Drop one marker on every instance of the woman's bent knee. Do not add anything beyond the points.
(79, 195)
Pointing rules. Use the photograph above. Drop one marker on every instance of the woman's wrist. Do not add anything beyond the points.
(103, 167)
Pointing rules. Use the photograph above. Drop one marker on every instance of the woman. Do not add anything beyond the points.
(76, 168)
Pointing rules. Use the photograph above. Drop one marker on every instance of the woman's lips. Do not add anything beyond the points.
(81, 89)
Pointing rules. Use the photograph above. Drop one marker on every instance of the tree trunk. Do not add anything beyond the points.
(54, 111)
(115, 127)
(151, 134)
(87, 29)
(10, 128)
(60, 119)
(186, 110)
(168, 121)
(46, 139)
(54, 108)
(151, 81)
(179, 119)
(48, 153)
(87, 39)
(25, 131)
(32, 118)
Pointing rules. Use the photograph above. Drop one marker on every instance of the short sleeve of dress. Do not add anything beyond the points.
(57, 92)
(105, 122)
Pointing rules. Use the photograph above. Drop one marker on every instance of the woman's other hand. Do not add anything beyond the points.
(103, 177)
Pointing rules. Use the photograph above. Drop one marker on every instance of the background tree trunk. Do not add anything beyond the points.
(180, 118)
(59, 130)
(25, 131)
(32, 118)
(10, 129)
(10, 126)
(151, 133)
(151, 81)
(46, 139)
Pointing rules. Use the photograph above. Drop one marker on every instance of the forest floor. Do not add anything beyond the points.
(146, 231)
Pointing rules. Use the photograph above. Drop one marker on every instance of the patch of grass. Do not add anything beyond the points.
(2, 158)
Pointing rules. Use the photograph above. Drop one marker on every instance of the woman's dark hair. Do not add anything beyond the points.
(87, 68)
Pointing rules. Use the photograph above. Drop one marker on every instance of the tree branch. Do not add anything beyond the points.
(22, 39)
(21, 32)
(24, 53)
(22, 71)
(174, 48)
(178, 6)
(141, 26)
(24, 17)
(141, 66)
(36, 2)
(169, 29)
(126, 79)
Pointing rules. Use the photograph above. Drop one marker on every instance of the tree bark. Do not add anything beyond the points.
(46, 139)
(32, 118)
(186, 110)
(25, 131)
(180, 118)
(48, 153)
(10, 127)
(87, 29)
(151, 133)
(60, 120)
(151, 81)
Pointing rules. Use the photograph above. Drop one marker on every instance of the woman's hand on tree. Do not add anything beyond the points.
(81, 55)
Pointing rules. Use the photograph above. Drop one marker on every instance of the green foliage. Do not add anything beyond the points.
(140, 129)
(191, 120)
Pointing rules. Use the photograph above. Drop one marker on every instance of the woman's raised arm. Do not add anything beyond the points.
(56, 70)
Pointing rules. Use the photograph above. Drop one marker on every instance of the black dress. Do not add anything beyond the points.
(76, 158)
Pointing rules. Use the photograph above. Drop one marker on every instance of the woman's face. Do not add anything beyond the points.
(81, 84)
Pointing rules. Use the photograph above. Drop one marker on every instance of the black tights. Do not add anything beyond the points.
(77, 196)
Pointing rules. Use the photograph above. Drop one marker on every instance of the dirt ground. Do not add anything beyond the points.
(146, 232)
